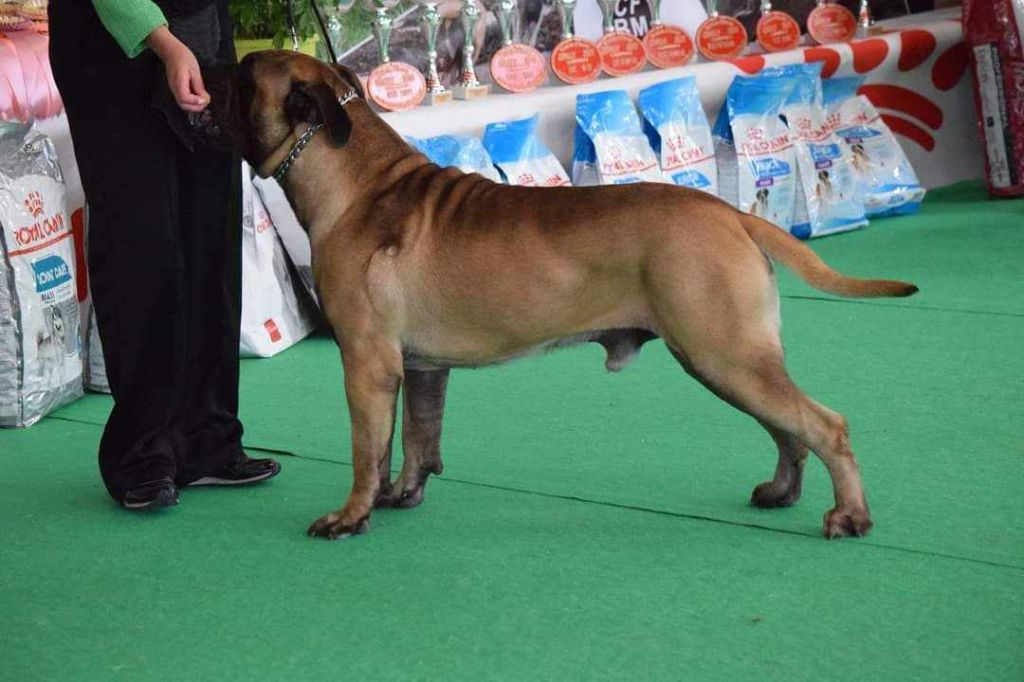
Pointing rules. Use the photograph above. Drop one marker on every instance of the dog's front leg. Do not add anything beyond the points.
(373, 374)
(423, 394)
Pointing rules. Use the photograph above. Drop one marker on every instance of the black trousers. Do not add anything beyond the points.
(164, 262)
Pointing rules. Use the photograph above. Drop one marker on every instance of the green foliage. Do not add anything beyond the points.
(268, 19)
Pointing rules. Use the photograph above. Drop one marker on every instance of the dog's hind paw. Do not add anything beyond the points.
(400, 499)
(333, 527)
(768, 496)
(840, 523)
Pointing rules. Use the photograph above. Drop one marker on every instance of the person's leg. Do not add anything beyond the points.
(207, 428)
(207, 425)
(125, 157)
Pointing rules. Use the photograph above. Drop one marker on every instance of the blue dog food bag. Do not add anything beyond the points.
(887, 183)
(461, 151)
(827, 194)
(754, 150)
(521, 157)
(610, 145)
(678, 130)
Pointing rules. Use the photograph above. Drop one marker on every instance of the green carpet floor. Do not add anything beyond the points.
(588, 526)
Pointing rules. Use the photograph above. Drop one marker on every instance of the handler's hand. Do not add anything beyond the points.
(183, 75)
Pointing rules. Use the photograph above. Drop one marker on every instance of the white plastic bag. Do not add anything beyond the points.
(827, 194)
(520, 155)
(40, 342)
(611, 148)
(679, 133)
(887, 182)
(756, 162)
(275, 312)
(461, 151)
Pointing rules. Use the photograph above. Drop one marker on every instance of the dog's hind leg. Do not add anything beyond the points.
(759, 385)
(373, 375)
(423, 394)
(784, 489)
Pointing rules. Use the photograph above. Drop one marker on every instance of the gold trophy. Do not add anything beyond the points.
(865, 21)
(574, 60)
(776, 31)
(720, 37)
(468, 86)
(830, 22)
(666, 45)
(622, 53)
(515, 67)
(393, 86)
(436, 92)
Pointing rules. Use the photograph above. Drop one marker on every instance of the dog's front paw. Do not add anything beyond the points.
(840, 523)
(335, 526)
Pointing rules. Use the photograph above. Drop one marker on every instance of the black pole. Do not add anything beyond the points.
(289, 10)
(328, 43)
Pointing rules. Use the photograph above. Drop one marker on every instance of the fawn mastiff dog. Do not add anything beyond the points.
(420, 269)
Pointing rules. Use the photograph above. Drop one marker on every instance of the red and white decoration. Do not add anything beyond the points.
(916, 76)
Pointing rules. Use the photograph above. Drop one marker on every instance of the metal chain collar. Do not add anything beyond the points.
(304, 140)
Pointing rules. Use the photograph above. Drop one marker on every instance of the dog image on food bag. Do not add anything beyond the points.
(50, 345)
(421, 269)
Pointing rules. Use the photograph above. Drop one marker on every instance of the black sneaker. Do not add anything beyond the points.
(151, 495)
(242, 471)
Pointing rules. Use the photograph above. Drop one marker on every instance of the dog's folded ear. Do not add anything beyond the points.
(350, 78)
(317, 103)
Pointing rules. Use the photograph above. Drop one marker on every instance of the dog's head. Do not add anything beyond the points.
(257, 106)
(58, 322)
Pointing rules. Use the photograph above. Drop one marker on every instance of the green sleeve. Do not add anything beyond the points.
(130, 22)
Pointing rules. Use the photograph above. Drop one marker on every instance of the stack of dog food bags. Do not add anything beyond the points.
(463, 152)
(678, 130)
(886, 182)
(40, 345)
(610, 145)
(276, 313)
(94, 370)
(521, 157)
(827, 197)
(994, 31)
(94, 367)
(754, 150)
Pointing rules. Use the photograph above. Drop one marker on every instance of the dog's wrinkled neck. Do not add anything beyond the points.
(325, 181)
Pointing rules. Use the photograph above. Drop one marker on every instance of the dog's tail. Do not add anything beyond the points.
(798, 257)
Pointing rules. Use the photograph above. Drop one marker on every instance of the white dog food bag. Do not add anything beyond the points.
(520, 155)
(827, 194)
(611, 148)
(95, 367)
(276, 313)
(461, 151)
(40, 345)
(679, 133)
(887, 182)
(754, 151)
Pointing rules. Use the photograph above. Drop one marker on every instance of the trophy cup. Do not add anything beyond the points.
(776, 31)
(574, 60)
(829, 22)
(393, 86)
(332, 32)
(622, 53)
(436, 92)
(864, 19)
(468, 86)
(515, 67)
(666, 45)
(720, 37)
